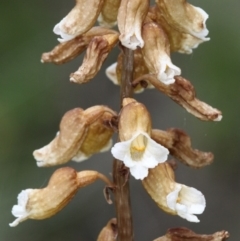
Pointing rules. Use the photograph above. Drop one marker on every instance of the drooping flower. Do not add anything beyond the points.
(156, 53)
(172, 197)
(79, 20)
(136, 148)
(43, 203)
(131, 15)
(82, 134)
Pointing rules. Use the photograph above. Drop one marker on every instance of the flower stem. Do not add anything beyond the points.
(120, 172)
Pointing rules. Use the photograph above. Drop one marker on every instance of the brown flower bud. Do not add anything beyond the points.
(185, 234)
(97, 52)
(179, 41)
(82, 133)
(109, 12)
(79, 20)
(156, 53)
(114, 71)
(179, 145)
(134, 117)
(109, 232)
(68, 50)
(183, 93)
(44, 203)
(172, 197)
(184, 17)
(131, 15)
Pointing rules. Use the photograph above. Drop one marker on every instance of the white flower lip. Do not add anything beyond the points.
(19, 210)
(186, 201)
(202, 35)
(168, 71)
(152, 156)
(64, 36)
(132, 40)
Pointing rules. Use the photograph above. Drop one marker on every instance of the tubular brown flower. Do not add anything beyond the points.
(131, 15)
(46, 202)
(156, 53)
(79, 20)
(184, 17)
(78, 128)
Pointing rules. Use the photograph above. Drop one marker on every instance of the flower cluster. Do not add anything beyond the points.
(151, 33)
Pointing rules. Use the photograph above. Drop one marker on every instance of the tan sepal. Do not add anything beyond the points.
(183, 93)
(109, 232)
(179, 145)
(68, 50)
(84, 178)
(62, 186)
(133, 117)
(185, 234)
(184, 17)
(159, 183)
(96, 53)
(74, 129)
(131, 15)
(109, 12)
(82, 17)
(179, 41)
(99, 134)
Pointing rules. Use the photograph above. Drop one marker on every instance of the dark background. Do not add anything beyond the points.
(34, 97)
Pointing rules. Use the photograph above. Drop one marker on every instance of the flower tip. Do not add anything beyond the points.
(72, 80)
(219, 118)
(111, 73)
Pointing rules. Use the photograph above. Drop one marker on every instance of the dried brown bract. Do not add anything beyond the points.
(69, 50)
(184, 234)
(179, 145)
(97, 52)
(183, 93)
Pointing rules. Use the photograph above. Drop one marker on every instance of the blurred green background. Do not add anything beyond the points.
(34, 97)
